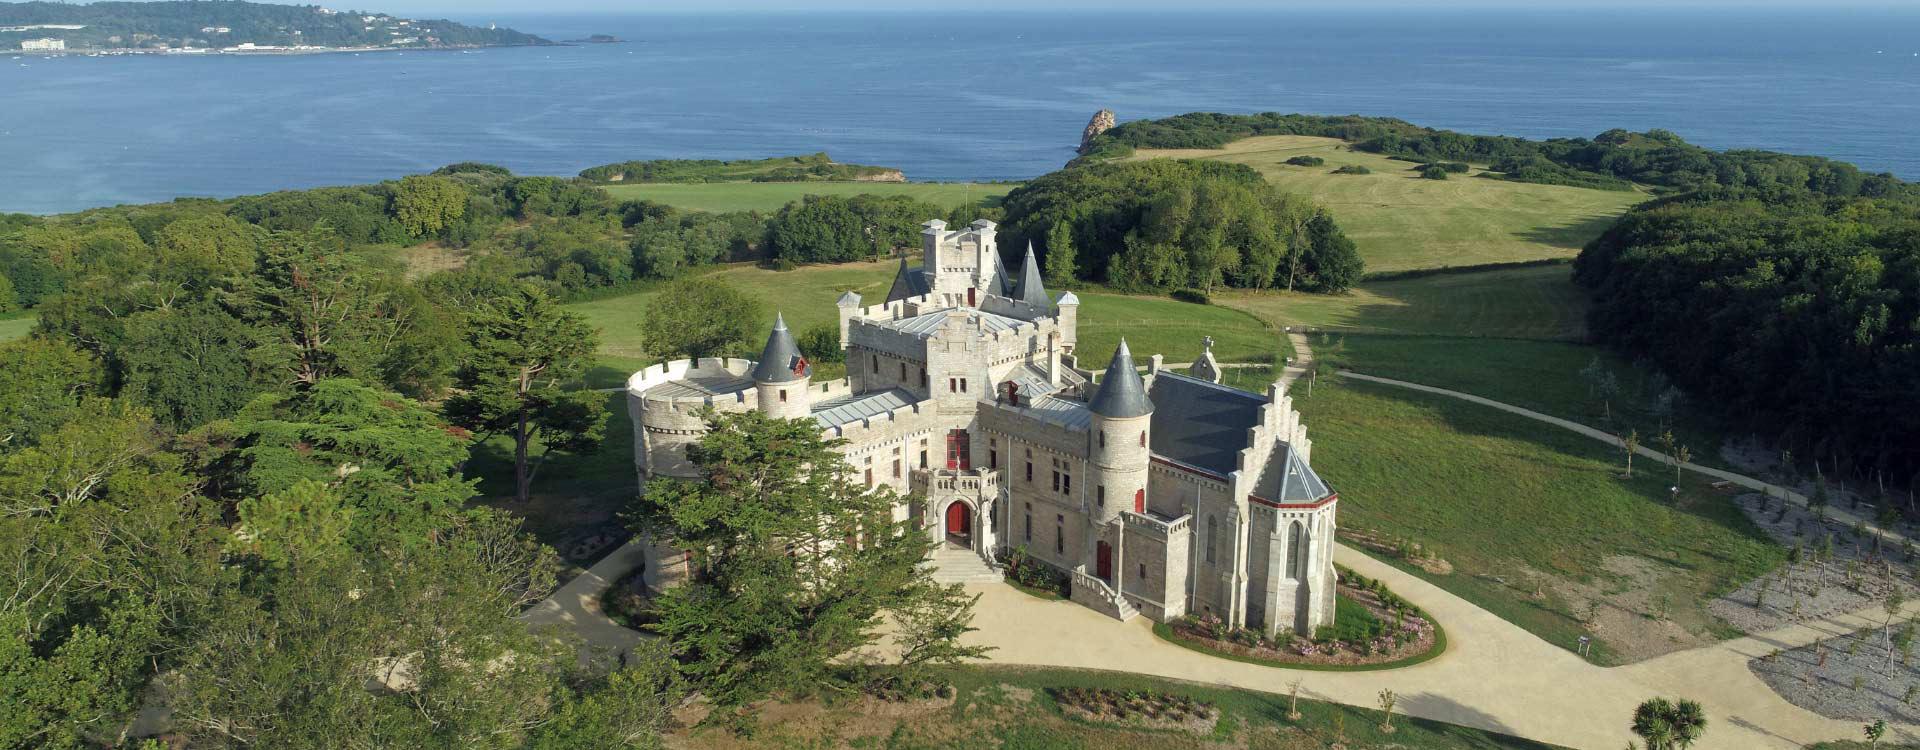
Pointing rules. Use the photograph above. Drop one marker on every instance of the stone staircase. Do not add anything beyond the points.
(953, 565)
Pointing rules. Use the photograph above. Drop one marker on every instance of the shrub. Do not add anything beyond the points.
(821, 343)
(1306, 161)
(1353, 169)
(1433, 172)
(1195, 296)
(1455, 167)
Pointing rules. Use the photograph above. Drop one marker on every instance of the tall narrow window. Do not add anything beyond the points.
(1213, 533)
(959, 452)
(1059, 540)
(1029, 472)
(1143, 438)
(903, 372)
(1029, 527)
(783, 395)
(1296, 554)
(896, 468)
(1066, 483)
(1103, 438)
(953, 385)
(993, 458)
(1056, 481)
(869, 477)
(876, 364)
(1143, 571)
(1100, 496)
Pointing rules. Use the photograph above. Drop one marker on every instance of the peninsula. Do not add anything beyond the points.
(204, 27)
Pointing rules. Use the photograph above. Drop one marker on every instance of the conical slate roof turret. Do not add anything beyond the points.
(1122, 394)
(1030, 290)
(781, 362)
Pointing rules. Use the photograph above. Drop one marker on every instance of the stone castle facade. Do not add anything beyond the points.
(1163, 494)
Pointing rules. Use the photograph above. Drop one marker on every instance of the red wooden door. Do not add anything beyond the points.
(959, 522)
(1103, 561)
(1140, 501)
(971, 300)
(959, 450)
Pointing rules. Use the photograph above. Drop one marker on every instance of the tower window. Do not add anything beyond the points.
(783, 395)
(1100, 496)
(1029, 472)
(1056, 481)
(1143, 438)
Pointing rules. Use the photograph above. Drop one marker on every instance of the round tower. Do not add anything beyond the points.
(782, 377)
(1122, 418)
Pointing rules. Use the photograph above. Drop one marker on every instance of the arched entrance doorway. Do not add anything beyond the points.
(1103, 561)
(960, 524)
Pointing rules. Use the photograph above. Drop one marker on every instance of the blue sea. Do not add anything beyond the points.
(985, 96)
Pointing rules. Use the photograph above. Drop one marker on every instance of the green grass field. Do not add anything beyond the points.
(1016, 708)
(1534, 303)
(1530, 517)
(1544, 376)
(16, 324)
(770, 196)
(1400, 221)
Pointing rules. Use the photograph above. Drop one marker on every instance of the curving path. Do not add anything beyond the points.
(1842, 515)
(1494, 675)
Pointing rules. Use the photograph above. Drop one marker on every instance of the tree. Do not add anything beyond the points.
(109, 557)
(821, 343)
(1681, 456)
(394, 463)
(699, 317)
(8, 301)
(627, 708)
(797, 563)
(1874, 732)
(189, 365)
(1664, 724)
(426, 205)
(1387, 699)
(46, 379)
(287, 655)
(526, 350)
(1894, 601)
(1630, 442)
(1059, 261)
(1332, 258)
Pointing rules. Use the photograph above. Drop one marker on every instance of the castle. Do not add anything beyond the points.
(1161, 495)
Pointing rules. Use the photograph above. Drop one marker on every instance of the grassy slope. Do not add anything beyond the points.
(770, 196)
(1001, 707)
(1540, 375)
(1498, 495)
(1535, 303)
(1401, 221)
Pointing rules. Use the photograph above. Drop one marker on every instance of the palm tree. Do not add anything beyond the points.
(1651, 723)
(1689, 722)
(1665, 724)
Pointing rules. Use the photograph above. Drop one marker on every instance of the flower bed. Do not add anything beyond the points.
(1373, 629)
(1034, 577)
(1144, 708)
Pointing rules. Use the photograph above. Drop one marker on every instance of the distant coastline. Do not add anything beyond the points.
(261, 51)
(184, 27)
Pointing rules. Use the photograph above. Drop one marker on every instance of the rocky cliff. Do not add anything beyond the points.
(1102, 122)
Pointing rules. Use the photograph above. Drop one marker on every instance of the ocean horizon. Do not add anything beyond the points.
(942, 96)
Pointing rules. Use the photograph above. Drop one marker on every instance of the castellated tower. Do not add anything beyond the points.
(1121, 416)
(782, 376)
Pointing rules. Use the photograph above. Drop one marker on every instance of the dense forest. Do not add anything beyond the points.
(234, 466)
(1796, 314)
(809, 168)
(1613, 160)
(1167, 224)
(184, 23)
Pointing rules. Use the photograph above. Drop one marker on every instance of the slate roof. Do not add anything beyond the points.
(1067, 413)
(1030, 289)
(1122, 394)
(780, 361)
(1032, 380)
(908, 282)
(702, 382)
(1201, 424)
(847, 409)
(925, 324)
(1289, 480)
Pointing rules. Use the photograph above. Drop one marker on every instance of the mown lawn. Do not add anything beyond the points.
(1401, 222)
(1524, 512)
(770, 196)
(16, 324)
(1159, 325)
(1534, 303)
(1545, 376)
(1009, 707)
